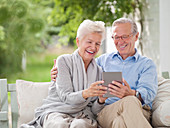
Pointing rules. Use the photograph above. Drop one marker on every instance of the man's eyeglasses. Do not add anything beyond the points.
(124, 37)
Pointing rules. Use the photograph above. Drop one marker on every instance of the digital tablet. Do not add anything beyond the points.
(108, 77)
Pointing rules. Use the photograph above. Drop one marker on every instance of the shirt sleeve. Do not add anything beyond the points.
(148, 84)
(64, 84)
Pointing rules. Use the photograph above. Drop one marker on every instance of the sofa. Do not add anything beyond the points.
(27, 95)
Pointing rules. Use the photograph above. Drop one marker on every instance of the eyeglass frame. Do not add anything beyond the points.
(123, 38)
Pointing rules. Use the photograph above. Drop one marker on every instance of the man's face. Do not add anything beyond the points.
(124, 40)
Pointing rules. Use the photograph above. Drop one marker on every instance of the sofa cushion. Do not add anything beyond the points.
(161, 113)
(30, 95)
(161, 116)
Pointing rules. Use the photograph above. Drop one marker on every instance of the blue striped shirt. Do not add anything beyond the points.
(139, 72)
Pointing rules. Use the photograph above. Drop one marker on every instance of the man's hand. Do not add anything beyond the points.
(119, 90)
(54, 71)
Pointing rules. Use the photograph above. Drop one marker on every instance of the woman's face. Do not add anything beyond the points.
(89, 45)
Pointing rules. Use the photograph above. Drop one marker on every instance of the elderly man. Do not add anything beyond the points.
(131, 108)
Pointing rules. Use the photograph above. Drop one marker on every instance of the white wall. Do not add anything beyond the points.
(151, 33)
(164, 35)
(156, 38)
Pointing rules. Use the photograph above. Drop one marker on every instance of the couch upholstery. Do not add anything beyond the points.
(30, 95)
(161, 104)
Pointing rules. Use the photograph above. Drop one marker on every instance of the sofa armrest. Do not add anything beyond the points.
(3, 104)
(161, 103)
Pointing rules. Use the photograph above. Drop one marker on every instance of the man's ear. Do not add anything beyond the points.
(77, 41)
(136, 36)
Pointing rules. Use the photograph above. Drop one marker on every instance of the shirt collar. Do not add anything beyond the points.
(135, 56)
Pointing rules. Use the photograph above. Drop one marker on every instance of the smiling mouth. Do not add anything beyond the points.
(123, 46)
(90, 52)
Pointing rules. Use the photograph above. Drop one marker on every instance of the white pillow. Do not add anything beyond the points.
(30, 96)
(161, 103)
(161, 116)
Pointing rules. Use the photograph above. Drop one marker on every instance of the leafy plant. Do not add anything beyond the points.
(2, 33)
(68, 14)
(22, 27)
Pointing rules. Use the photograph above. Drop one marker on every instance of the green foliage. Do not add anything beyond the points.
(70, 13)
(24, 24)
(2, 33)
(19, 9)
(22, 28)
(38, 70)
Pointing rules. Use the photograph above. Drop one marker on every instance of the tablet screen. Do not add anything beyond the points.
(108, 77)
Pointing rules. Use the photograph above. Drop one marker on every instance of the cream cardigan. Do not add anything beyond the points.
(66, 95)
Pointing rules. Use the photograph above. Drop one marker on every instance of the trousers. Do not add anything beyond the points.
(125, 113)
(59, 120)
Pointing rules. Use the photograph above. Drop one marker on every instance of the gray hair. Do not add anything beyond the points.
(89, 26)
(134, 28)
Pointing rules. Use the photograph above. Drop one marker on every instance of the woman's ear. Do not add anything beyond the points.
(77, 41)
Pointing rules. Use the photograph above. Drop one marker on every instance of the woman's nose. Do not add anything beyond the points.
(93, 46)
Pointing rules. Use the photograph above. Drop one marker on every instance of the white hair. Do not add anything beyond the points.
(89, 26)
(134, 28)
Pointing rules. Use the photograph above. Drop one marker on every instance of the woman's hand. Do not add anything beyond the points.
(95, 90)
(54, 71)
(102, 99)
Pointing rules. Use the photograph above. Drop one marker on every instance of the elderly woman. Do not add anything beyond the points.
(76, 98)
